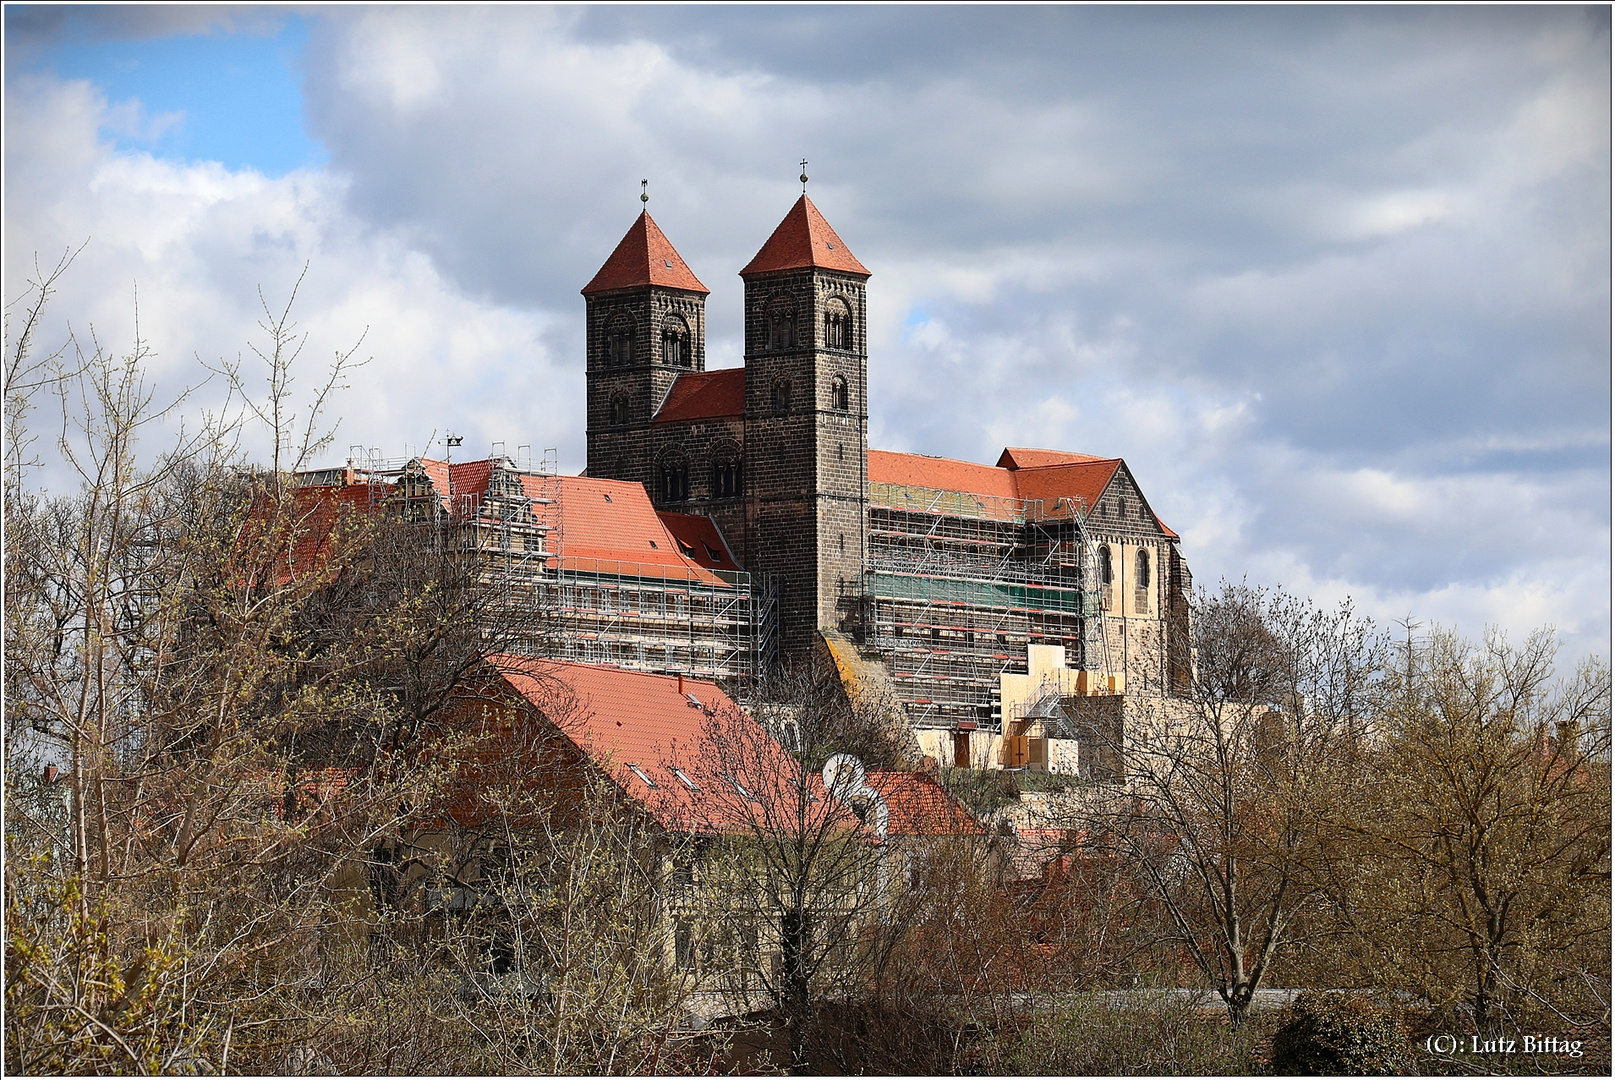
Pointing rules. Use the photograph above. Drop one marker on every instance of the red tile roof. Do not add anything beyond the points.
(704, 395)
(610, 526)
(698, 539)
(644, 257)
(804, 239)
(942, 474)
(660, 724)
(920, 806)
(1021, 457)
(1049, 476)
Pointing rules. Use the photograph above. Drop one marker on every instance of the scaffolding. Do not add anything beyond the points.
(657, 617)
(958, 585)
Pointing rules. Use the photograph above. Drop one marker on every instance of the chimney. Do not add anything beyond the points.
(681, 684)
(50, 774)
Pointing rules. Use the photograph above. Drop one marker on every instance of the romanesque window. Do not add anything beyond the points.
(619, 409)
(782, 329)
(1105, 575)
(782, 395)
(725, 471)
(675, 342)
(673, 479)
(620, 344)
(837, 326)
(838, 393)
(1141, 582)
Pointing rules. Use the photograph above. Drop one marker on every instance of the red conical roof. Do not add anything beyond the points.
(804, 239)
(645, 257)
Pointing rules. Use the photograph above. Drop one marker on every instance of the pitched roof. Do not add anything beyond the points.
(644, 257)
(920, 806)
(1002, 491)
(804, 239)
(662, 726)
(942, 474)
(698, 539)
(704, 395)
(610, 526)
(1021, 457)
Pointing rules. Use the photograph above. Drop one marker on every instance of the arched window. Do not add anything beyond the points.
(782, 395)
(673, 480)
(837, 326)
(838, 393)
(620, 343)
(1141, 582)
(675, 342)
(1105, 575)
(782, 329)
(725, 471)
(619, 409)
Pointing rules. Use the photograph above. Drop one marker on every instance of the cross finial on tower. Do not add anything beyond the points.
(803, 177)
(644, 191)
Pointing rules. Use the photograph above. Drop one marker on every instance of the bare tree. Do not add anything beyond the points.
(1221, 814)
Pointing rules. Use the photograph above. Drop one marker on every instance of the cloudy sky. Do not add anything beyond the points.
(1335, 282)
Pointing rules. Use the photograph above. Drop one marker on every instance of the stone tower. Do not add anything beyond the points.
(806, 424)
(645, 325)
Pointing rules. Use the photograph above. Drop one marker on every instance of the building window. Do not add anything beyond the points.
(674, 479)
(675, 342)
(620, 344)
(837, 326)
(619, 409)
(838, 393)
(1141, 582)
(725, 479)
(1105, 574)
(782, 330)
(782, 395)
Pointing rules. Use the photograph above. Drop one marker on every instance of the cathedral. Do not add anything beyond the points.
(942, 574)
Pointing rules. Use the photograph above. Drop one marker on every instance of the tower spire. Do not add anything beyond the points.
(644, 191)
(804, 177)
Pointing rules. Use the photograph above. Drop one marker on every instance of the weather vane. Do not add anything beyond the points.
(803, 177)
(644, 191)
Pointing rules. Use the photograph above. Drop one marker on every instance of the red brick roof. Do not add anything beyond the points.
(1046, 475)
(942, 474)
(611, 527)
(698, 539)
(1021, 457)
(920, 806)
(804, 239)
(705, 395)
(644, 257)
(660, 724)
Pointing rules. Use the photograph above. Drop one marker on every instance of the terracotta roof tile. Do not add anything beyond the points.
(1082, 482)
(705, 395)
(920, 806)
(644, 257)
(804, 239)
(942, 474)
(1021, 457)
(660, 724)
(698, 539)
(610, 526)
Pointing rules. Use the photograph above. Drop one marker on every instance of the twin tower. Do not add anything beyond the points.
(775, 452)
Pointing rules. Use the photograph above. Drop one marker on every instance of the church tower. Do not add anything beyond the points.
(645, 326)
(806, 424)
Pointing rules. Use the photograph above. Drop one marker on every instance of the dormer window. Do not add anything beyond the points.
(637, 771)
(684, 779)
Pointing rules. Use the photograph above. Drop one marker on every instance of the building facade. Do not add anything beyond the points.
(944, 571)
